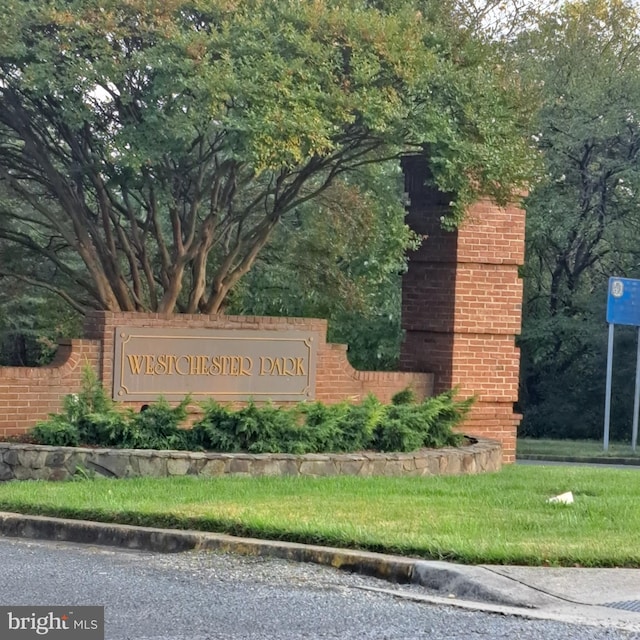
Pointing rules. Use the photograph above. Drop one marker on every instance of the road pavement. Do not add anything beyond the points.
(198, 595)
(606, 600)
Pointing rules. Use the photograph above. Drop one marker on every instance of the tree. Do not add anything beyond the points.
(340, 258)
(148, 149)
(502, 20)
(583, 213)
(32, 319)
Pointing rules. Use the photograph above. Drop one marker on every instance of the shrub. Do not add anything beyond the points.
(81, 413)
(315, 427)
(321, 424)
(266, 429)
(355, 425)
(407, 427)
(91, 418)
(395, 435)
(215, 431)
(57, 432)
(406, 396)
(157, 427)
(91, 412)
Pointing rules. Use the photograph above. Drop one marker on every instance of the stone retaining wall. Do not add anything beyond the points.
(39, 462)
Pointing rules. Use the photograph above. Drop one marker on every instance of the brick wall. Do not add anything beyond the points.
(28, 395)
(462, 304)
(461, 310)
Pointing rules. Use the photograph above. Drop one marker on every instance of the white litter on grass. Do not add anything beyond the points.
(563, 498)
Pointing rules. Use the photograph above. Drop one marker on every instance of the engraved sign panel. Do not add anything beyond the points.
(235, 364)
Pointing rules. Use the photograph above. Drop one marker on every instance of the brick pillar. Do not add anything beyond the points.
(461, 304)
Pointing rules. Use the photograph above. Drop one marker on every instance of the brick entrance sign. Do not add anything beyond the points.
(232, 358)
(140, 357)
(461, 310)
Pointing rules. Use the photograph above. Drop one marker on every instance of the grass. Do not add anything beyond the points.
(492, 518)
(574, 449)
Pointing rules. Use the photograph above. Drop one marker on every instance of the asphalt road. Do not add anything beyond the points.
(201, 596)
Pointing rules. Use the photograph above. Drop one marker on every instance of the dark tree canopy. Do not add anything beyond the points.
(583, 213)
(149, 148)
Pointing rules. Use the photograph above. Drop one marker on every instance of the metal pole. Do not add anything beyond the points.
(636, 401)
(607, 400)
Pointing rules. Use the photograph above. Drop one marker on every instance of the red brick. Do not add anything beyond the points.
(462, 301)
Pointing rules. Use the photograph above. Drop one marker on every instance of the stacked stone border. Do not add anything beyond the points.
(39, 462)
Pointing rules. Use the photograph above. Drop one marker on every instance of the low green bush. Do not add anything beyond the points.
(407, 427)
(406, 396)
(57, 432)
(252, 429)
(91, 418)
(158, 427)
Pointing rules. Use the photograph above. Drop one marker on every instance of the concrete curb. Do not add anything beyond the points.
(470, 582)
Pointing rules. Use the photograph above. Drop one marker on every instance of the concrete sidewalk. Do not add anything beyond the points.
(601, 597)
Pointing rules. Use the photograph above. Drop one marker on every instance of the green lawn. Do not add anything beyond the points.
(575, 448)
(492, 518)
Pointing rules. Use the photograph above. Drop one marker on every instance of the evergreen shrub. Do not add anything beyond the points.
(91, 418)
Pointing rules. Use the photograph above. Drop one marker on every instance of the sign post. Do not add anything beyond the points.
(607, 400)
(636, 399)
(623, 307)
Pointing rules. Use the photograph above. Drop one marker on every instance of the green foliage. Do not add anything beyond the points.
(251, 429)
(216, 430)
(411, 426)
(340, 257)
(92, 412)
(57, 432)
(406, 396)
(82, 474)
(357, 425)
(31, 322)
(321, 420)
(307, 428)
(342, 427)
(316, 427)
(92, 397)
(163, 421)
(157, 427)
(87, 416)
(397, 435)
(91, 418)
(583, 213)
(148, 149)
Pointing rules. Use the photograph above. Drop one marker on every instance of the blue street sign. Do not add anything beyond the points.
(623, 303)
(623, 307)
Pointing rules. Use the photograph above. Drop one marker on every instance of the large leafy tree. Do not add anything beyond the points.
(149, 148)
(340, 258)
(583, 214)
